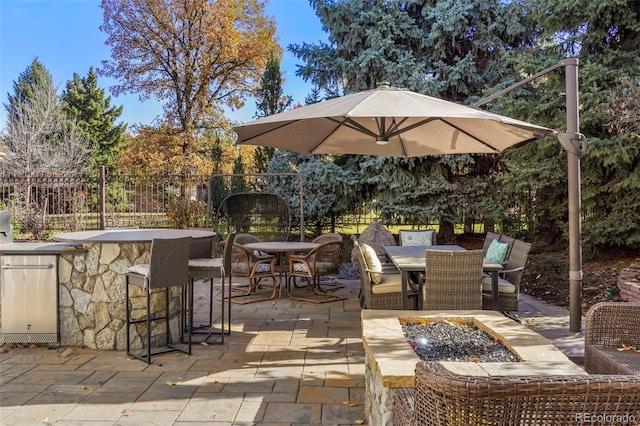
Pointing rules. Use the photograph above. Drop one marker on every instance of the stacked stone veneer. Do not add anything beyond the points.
(629, 283)
(92, 298)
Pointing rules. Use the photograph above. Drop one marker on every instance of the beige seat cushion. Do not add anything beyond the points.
(140, 269)
(206, 263)
(389, 283)
(504, 286)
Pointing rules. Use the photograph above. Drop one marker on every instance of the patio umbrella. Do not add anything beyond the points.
(388, 121)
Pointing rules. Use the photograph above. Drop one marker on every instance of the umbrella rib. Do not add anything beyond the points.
(321, 141)
(470, 135)
(413, 126)
(353, 125)
(258, 135)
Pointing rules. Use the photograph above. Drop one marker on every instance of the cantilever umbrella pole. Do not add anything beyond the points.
(575, 145)
(573, 177)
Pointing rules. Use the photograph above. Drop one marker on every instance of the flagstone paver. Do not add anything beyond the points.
(285, 363)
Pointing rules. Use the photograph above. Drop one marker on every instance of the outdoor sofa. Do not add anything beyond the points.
(612, 338)
(441, 397)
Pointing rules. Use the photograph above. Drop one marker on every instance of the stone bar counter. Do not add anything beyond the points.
(92, 287)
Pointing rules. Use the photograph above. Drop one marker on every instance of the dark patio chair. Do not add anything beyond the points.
(264, 215)
(203, 266)
(510, 278)
(168, 267)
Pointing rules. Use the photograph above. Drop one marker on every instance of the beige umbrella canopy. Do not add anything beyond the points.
(388, 121)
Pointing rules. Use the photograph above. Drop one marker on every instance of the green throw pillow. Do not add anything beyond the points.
(497, 251)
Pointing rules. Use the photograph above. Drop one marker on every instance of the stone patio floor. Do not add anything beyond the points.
(285, 363)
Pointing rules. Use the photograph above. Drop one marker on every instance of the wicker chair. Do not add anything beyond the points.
(385, 295)
(258, 268)
(322, 260)
(262, 214)
(168, 267)
(487, 241)
(453, 280)
(609, 325)
(510, 278)
(325, 238)
(442, 398)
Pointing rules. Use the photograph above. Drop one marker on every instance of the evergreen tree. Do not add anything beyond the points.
(217, 188)
(313, 97)
(87, 105)
(35, 77)
(605, 37)
(329, 189)
(38, 134)
(238, 184)
(269, 100)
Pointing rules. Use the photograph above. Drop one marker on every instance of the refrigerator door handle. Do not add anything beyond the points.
(9, 266)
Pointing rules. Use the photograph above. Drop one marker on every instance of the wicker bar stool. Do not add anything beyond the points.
(203, 266)
(168, 267)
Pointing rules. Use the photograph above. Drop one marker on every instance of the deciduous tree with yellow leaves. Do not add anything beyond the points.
(195, 56)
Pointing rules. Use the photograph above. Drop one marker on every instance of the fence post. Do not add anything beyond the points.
(103, 198)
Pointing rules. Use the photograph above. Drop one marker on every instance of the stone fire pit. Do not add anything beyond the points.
(390, 361)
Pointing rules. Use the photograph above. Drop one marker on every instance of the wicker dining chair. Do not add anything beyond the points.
(612, 332)
(510, 279)
(168, 267)
(380, 285)
(443, 398)
(325, 238)
(453, 280)
(310, 267)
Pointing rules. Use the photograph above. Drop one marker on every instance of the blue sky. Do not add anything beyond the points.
(64, 35)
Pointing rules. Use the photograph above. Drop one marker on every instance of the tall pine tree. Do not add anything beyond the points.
(605, 37)
(86, 103)
(270, 99)
(38, 134)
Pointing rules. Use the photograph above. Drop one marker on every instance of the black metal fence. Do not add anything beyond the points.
(41, 204)
(44, 203)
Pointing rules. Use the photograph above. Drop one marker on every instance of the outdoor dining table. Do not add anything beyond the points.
(412, 259)
(279, 248)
